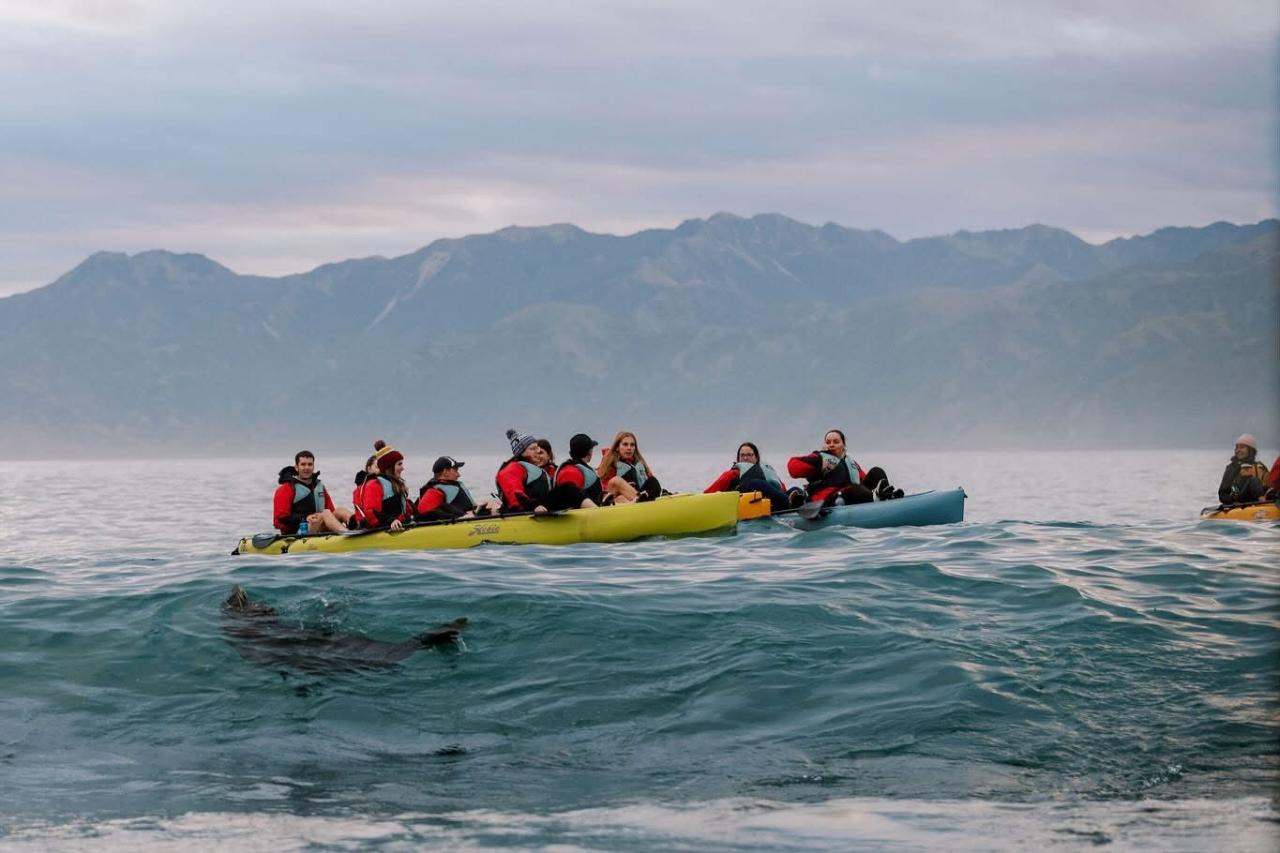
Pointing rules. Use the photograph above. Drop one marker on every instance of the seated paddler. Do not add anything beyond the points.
(749, 473)
(830, 474)
(445, 497)
(302, 496)
(1245, 478)
(526, 481)
(625, 474)
(577, 470)
(384, 497)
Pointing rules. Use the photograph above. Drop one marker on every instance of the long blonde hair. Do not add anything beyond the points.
(609, 461)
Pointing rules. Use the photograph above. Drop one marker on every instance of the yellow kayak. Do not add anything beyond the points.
(675, 515)
(1266, 511)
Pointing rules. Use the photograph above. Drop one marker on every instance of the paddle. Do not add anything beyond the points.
(812, 510)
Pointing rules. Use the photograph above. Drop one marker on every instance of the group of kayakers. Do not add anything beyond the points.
(1246, 478)
(530, 481)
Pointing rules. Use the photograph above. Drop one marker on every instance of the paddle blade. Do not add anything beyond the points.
(812, 510)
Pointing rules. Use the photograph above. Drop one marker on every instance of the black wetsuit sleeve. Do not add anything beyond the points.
(1228, 477)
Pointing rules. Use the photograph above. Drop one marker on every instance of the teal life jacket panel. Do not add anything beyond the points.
(307, 500)
(750, 471)
(590, 480)
(845, 473)
(392, 503)
(637, 475)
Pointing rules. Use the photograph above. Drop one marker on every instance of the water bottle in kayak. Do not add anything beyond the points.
(303, 528)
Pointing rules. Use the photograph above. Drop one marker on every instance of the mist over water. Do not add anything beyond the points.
(1081, 662)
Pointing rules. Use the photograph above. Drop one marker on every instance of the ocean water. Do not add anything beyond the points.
(1081, 663)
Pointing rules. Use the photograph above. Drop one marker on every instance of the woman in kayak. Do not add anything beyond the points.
(831, 473)
(1245, 478)
(624, 473)
(750, 474)
(525, 481)
(384, 497)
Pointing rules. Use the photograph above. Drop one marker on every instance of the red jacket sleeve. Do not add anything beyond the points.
(328, 500)
(571, 475)
(807, 467)
(511, 483)
(1273, 479)
(722, 482)
(371, 500)
(282, 507)
(431, 499)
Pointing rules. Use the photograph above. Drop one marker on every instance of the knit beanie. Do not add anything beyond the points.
(519, 443)
(386, 456)
(1248, 441)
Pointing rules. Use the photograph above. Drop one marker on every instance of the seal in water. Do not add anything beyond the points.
(259, 636)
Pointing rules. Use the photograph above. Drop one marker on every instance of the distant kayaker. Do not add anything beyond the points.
(384, 497)
(301, 496)
(370, 469)
(445, 496)
(526, 480)
(751, 474)
(1244, 480)
(577, 471)
(625, 474)
(831, 473)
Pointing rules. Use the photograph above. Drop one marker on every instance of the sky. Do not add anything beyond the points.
(277, 137)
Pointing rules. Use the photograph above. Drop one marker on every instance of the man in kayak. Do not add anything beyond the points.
(577, 471)
(445, 497)
(1244, 479)
(301, 496)
(751, 474)
(830, 474)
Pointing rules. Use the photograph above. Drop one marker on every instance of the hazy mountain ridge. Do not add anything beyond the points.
(719, 326)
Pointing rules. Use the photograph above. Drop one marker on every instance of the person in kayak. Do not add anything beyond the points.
(370, 469)
(1244, 479)
(384, 497)
(526, 480)
(831, 473)
(445, 497)
(1273, 481)
(578, 471)
(625, 474)
(301, 496)
(750, 474)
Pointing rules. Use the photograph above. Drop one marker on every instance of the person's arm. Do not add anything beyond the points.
(431, 506)
(1228, 477)
(328, 500)
(1273, 479)
(282, 516)
(371, 502)
(722, 482)
(807, 467)
(511, 485)
(571, 475)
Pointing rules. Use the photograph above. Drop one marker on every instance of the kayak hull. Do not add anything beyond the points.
(919, 510)
(1251, 512)
(676, 515)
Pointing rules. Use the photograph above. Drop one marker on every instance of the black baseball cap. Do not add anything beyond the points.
(580, 444)
(445, 462)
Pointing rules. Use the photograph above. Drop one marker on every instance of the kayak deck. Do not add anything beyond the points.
(1261, 511)
(674, 515)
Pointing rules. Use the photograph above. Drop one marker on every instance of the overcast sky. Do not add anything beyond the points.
(275, 137)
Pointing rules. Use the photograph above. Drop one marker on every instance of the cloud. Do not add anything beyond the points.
(280, 137)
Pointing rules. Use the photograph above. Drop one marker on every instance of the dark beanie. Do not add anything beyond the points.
(519, 442)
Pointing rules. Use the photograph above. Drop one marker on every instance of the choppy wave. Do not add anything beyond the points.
(1076, 681)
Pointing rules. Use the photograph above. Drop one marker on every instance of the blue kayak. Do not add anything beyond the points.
(945, 507)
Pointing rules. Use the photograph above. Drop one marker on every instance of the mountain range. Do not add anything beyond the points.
(716, 331)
